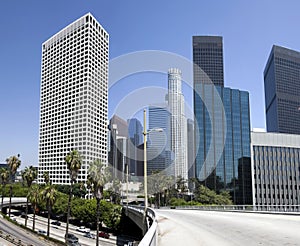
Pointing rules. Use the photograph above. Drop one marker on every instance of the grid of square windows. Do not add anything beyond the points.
(73, 109)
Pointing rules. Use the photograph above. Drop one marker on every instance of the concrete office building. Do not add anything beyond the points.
(282, 91)
(178, 124)
(73, 101)
(275, 161)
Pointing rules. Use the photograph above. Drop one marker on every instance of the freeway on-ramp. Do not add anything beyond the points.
(211, 228)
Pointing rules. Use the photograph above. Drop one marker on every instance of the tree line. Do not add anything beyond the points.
(47, 197)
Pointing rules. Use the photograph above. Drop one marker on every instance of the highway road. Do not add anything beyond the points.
(190, 227)
(26, 237)
(58, 232)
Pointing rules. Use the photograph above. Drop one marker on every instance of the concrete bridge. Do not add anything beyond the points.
(15, 202)
(216, 226)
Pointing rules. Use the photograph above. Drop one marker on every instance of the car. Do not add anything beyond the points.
(83, 229)
(104, 234)
(89, 235)
(71, 237)
(56, 223)
(12, 217)
(73, 242)
(23, 215)
(42, 232)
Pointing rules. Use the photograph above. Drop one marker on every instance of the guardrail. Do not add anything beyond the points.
(151, 236)
(253, 208)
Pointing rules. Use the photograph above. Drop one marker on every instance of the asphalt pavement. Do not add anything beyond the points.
(209, 228)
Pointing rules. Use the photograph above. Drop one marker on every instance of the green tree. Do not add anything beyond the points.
(4, 176)
(98, 176)
(28, 175)
(34, 198)
(115, 191)
(73, 161)
(13, 163)
(207, 196)
(49, 195)
(46, 178)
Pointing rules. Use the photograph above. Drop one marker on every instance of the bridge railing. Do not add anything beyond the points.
(255, 208)
(151, 236)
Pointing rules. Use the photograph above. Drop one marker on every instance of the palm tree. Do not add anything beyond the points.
(4, 176)
(34, 198)
(49, 194)
(29, 175)
(13, 163)
(98, 176)
(73, 161)
(46, 178)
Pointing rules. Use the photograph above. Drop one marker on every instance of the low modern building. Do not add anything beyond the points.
(275, 171)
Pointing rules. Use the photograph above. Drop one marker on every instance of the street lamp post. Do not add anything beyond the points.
(145, 132)
(145, 164)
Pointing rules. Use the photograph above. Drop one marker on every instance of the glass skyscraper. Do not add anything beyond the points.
(222, 123)
(282, 91)
(224, 148)
(159, 149)
(135, 136)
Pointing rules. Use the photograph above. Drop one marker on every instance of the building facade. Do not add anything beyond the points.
(159, 143)
(73, 101)
(178, 124)
(282, 91)
(191, 152)
(275, 161)
(223, 151)
(208, 60)
(118, 132)
(135, 138)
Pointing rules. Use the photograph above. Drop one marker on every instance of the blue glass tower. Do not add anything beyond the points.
(159, 150)
(224, 148)
(135, 135)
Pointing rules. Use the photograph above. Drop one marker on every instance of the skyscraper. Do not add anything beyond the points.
(135, 138)
(159, 147)
(282, 91)
(208, 58)
(116, 152)
(178, 123)
(73, 101)
(224, 128)
(191, 151)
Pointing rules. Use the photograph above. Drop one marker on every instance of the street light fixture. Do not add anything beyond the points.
(145, 132)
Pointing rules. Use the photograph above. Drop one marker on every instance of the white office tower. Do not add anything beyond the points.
(178, 123)
(73, 109)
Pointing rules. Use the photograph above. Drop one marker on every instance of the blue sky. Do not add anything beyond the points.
(249, 29)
